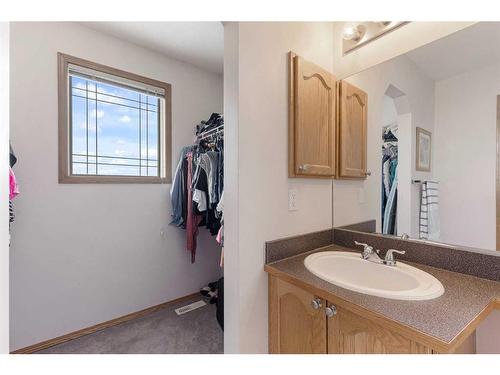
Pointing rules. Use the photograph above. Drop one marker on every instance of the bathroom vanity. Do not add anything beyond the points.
(416, 166)
(310, 315)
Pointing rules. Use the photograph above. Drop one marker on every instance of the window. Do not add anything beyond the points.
(114, 126)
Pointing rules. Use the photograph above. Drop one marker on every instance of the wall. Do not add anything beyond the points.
(360, 200)
(465, 160)
(261, 119)
(231, 191)
(4, 203)
(84, 254)
(395, 43)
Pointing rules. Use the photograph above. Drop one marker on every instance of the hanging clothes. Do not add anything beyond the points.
(13, 186)
(220, 235)
(389, 226)
(12, 156)
(177, 190)
(192, 219)
(213, 158)
(389, 179)
(197, 186)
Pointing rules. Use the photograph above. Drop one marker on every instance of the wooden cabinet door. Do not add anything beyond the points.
(295, 327)
(349, 333)
(351, 128)
(311, 120)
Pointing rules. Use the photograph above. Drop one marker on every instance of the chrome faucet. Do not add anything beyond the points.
(389, 258)
(369, 253)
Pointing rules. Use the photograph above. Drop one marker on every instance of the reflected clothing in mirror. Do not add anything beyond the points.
(389, 179)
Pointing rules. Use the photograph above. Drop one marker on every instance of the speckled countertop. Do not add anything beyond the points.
(443, 318)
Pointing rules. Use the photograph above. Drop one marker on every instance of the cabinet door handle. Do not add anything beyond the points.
(330, 311)
(304, 167)
(316, 304)
(368, 173)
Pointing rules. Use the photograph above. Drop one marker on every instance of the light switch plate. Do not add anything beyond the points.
(293, 201)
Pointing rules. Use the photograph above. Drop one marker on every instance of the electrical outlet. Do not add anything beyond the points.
(293, 204)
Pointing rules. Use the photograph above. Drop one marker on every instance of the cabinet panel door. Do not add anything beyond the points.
(349, 333)
(295, 327)
(352, 128)
(312, 119)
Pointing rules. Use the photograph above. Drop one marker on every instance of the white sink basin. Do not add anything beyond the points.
(350, 271)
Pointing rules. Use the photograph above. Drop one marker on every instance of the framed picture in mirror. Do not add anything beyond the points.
(423, 157)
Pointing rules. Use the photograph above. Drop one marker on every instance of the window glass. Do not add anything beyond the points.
(114, 129)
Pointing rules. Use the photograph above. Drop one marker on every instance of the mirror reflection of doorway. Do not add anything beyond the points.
(396, 142)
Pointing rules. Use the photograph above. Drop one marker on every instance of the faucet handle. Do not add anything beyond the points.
(366, 247)
(367, 250)
(389, 257)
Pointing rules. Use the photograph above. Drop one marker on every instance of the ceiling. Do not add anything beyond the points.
(202, 44)
(197, 43)
(468, 49)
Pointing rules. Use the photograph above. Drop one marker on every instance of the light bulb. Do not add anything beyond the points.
(351, 33)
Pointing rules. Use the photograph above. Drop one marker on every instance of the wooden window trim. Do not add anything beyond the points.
(65, 176)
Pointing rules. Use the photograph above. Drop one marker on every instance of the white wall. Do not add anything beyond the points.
(84, 254)
(261, 119)
(465, 156)
(4, 200)
(360, 200)
(395, 43)
(231, 191)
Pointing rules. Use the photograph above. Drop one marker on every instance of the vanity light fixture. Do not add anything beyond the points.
(352, 33)
(357, 34)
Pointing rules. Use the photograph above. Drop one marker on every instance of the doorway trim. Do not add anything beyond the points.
(498, 177)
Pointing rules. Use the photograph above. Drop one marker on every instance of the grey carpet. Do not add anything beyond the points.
(196, 332)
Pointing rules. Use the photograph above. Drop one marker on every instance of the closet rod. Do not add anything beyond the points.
(219, 129)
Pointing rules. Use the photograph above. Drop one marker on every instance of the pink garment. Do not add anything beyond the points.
(192, 220)
(13, 188)
(220, 235)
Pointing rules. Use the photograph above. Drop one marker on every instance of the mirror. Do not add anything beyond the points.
(432, 143)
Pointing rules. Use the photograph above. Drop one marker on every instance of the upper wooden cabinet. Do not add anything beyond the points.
(311, 143)
(351, 131)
